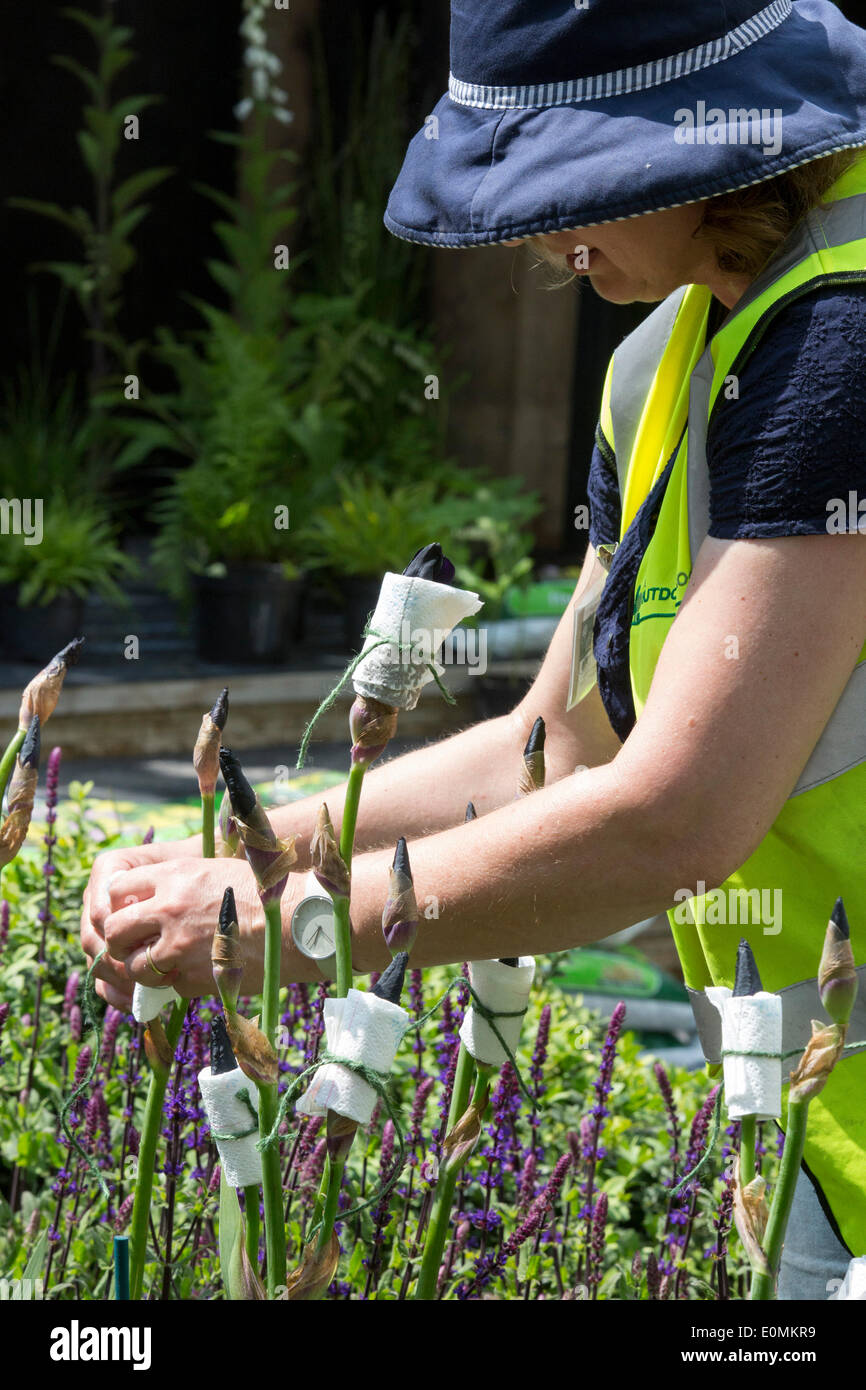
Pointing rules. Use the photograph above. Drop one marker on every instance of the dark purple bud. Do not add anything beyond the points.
(533, 771)
(213, 1185)
(29, 754)
(430, 563)
(839, 918)
(400, 915)
(400, 862)
(390, 983)
(241, 794)
(228, 913)
(147, 837)
(222, 1058)
(4, 1014)
(67, 656)
(535, 742)
(75, 1024)
(220, 711)
(747, 980)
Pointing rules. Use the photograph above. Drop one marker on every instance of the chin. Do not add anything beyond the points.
(626, 294)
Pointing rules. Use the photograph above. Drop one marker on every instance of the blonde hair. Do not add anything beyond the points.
(747, 226)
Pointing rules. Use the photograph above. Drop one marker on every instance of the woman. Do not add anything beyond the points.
(721, 744)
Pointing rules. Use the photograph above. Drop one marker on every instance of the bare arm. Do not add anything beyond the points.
(691, 793)
(426, 791)
(693, 790)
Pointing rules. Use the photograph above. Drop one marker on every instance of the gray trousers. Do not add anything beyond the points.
(812, 1256)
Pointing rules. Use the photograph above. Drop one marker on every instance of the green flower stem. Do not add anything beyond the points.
(440, 1216)
(342, 928)
(764, 1284)
(272, 1177)
(147, 1154)
(329, 1191)
(7, 762)
(207, 825)
(251, 1212)
(747, 1149)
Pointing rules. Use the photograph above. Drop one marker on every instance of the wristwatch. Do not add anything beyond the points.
(313, 933)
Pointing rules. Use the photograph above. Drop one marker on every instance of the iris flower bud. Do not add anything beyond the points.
(205, 758)
(40, 696)
(226, 957)
(400, 917)
(229, 834)
(746, 979)
(327, 862)
(532, 773)
(430, 563)
(371, 724)
(22, 791)
(390, 983)
(269, 857)
(837, 975)
(222, 1059)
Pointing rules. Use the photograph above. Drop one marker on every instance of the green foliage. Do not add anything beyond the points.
(105, 229)
(481, 523)
(635, 1171)
(79, 554)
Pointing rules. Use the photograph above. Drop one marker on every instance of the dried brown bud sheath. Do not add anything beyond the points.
(327, 862)
(40, 696)
(256, 1057)
(823, 1051)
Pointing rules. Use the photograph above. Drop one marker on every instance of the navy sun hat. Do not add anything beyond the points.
(566, 113)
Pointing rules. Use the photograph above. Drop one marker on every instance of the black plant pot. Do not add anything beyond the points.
(36, 633)
(248, 616)
(360, 596)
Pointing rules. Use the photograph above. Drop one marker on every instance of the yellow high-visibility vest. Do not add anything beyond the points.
(661, 387)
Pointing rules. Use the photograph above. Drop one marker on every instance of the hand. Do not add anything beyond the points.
(172, 905)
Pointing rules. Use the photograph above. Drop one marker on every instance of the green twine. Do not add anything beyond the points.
(359, 657)
(378, 1082)
(242, 1095)
(792, 1051)
(93, 1025)
(490, 1018)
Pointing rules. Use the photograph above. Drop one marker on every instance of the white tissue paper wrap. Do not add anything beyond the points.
(362, 1028)
(148, 1001)
(498, 986)
(227, 1114)
(420, 613)
(853, 1286)
(753, 1022)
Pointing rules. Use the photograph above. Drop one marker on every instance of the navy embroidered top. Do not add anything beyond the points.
(794, 439)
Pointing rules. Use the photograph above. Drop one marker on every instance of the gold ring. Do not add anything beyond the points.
(155, 968)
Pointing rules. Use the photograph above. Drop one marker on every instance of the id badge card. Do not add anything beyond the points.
(583, 665)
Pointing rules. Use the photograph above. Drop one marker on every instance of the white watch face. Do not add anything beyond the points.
(313, 928)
